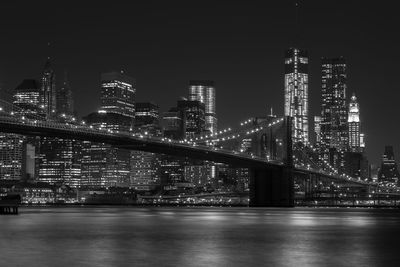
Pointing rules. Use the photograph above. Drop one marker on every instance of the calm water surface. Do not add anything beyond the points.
(129, 236)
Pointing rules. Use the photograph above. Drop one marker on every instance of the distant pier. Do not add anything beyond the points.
(9, 204)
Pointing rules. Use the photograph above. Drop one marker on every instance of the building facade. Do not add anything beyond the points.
(118, 94)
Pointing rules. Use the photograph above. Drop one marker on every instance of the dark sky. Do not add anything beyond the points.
(238, 44)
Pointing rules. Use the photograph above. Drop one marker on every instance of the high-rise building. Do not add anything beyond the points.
(65, 102)
(48, 98)
(145, 166)
(102, 164)
(27, 97)
(296, 92)
(118, 94)
(193, 117)
(13, 147)
(60, 161)
(388, 173)
(334, 133)
(147, 118)
(173, 124)
(354, 125)
(204, 91)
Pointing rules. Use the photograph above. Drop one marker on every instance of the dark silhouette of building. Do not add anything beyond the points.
(48, 98)
(388, 173)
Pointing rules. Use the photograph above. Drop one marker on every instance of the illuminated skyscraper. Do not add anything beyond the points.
(48, 98)
(118, 94)
(354, 125)
(204, 91)
(296, 92)
(334, 130)
(388, 173)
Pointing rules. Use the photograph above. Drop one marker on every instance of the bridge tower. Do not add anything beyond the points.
(273, 186)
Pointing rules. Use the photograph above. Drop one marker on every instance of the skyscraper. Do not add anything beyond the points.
(388, 173)
(194, 117)
(118, 94)
(14, 147)
(27, 97)
(145, 166)
(65, 102)
(354, 125)
(334, 130)
(204, 91)
(48, 99)
(296, 92)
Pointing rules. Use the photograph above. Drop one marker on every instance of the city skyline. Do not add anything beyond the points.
(258, 69)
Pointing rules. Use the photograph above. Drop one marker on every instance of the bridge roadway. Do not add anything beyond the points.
(133, 141)
(271, 182)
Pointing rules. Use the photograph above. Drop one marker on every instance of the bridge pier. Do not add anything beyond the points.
(271, 187)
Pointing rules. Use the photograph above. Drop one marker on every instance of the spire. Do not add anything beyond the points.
(353, 97)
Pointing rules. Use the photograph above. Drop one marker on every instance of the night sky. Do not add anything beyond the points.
(238, 44)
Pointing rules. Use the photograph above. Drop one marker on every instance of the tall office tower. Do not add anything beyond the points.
(13, 147)
(317, 130)
(194, 117)
(296, 92)
(65, 102)
(204, 91)
(334, 131)
(102, 164)
(48, 98)
(354, 125)
(145, 166)
(388, 173)
(118, 94)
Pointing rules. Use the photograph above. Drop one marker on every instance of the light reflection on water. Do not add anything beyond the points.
(127, 236)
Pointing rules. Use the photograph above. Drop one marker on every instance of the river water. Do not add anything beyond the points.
(131, 236)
